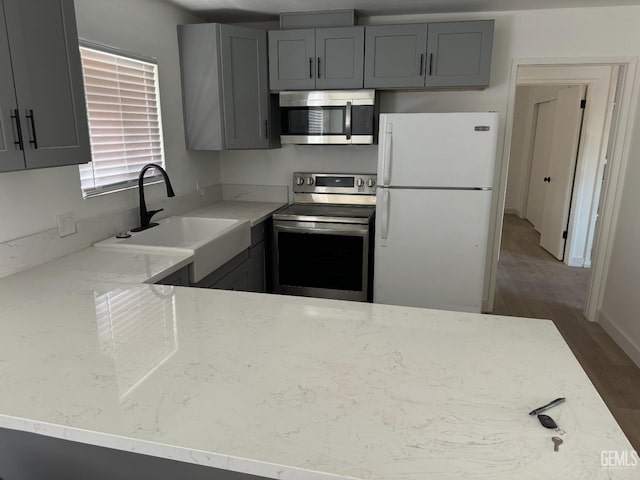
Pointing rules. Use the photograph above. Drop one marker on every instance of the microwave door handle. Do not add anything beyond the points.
(384, 213)
(347, 121)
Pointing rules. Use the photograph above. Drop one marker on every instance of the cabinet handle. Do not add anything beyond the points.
(421, 63)
(430, 63)
(547, 179)
(266, 129)
(16, 117)
(318, 67)
(34, 142)
(310, 67)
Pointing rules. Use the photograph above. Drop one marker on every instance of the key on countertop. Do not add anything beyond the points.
(557, 441)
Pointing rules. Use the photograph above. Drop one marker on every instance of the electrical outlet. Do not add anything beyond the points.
(199, 188)
(66, 224)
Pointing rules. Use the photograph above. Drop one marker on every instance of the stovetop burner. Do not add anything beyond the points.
(319, 212)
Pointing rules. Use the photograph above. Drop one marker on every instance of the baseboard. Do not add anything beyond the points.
(621, 338)
(576, 262)
(512, 211)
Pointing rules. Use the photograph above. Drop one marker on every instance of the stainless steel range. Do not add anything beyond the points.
(323, 241)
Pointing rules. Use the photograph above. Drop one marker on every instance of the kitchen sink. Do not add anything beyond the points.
(211, 241)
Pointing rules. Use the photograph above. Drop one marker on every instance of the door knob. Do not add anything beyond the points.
(547, 179)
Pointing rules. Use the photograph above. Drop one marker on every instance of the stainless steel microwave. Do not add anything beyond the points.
(329, 117)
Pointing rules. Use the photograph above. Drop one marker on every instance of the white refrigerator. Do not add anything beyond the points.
(435, 181)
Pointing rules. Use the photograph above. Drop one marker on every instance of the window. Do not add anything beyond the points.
(123, 107)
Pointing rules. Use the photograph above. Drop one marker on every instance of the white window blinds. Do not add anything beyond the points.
(125, 127)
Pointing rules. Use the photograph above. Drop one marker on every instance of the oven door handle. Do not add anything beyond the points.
(345, 229)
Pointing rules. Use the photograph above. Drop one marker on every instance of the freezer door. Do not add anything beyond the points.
(431, 248)
(437, 149)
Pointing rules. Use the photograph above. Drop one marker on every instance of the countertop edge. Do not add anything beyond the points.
(166, 451)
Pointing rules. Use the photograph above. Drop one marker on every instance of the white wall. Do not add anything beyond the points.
(523, 133)
(518, 152)
(31, 200)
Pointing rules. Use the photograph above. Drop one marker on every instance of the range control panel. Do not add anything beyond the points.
(342, 183)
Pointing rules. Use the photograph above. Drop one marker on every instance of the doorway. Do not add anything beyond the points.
(602, 80)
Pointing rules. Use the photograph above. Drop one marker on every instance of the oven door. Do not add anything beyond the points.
(325, 260)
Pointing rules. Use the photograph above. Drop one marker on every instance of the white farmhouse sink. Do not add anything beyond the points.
(211, 241)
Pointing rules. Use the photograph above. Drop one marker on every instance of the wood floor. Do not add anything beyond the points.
(531, 283)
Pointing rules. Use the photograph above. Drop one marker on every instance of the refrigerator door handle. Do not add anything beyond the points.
(384, 213)
(386, 156)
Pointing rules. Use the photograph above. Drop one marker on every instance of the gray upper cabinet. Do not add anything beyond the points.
(224, 87)
(322, 58)
(451, 54)
(51, 126)
(339, 57)
(395, 56)
(459, 54)
(292, 56)
(245, 92)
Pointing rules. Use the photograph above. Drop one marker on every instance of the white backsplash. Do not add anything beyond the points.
(256, 193)
(27, 252)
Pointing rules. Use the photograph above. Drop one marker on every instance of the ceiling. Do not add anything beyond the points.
(263, 10)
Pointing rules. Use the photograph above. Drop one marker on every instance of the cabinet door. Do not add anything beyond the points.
(11, 156)
(459, 54)
(291, 59)
(257, 268)
(339, 57)
(237, 279)
(48, 77)
(245, 89)
(395, 56)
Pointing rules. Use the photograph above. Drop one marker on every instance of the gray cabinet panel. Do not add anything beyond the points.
(257, 268)
(237, 280)
(459, 53)
(292, 59)
(245, 89)
(339, 57)
(224, 87)
(201, 91)
(395, 56)
(178, 279)
(48, 78)
(11, 157)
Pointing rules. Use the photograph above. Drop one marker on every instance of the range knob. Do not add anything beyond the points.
(371, 182)
(299, 181)
(310, 181)
(360, 182)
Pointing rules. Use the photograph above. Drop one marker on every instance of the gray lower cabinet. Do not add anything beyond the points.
(321, 58)
(245, 272)
(178, 279)
(448, 54)
(225, 88)
(43, 118)
(233, 275)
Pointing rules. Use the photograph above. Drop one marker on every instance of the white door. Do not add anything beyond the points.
(562, 166)
(437, 149)
(540, 162)
(431, 248)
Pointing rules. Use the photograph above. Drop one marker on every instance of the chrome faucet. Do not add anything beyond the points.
(145, 216)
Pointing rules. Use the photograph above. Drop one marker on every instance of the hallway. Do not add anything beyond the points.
(531, 283)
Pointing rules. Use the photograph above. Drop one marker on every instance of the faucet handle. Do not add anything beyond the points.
(151, 213)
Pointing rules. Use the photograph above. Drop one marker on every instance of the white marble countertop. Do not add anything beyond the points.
(296, 388)
(255, 212)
